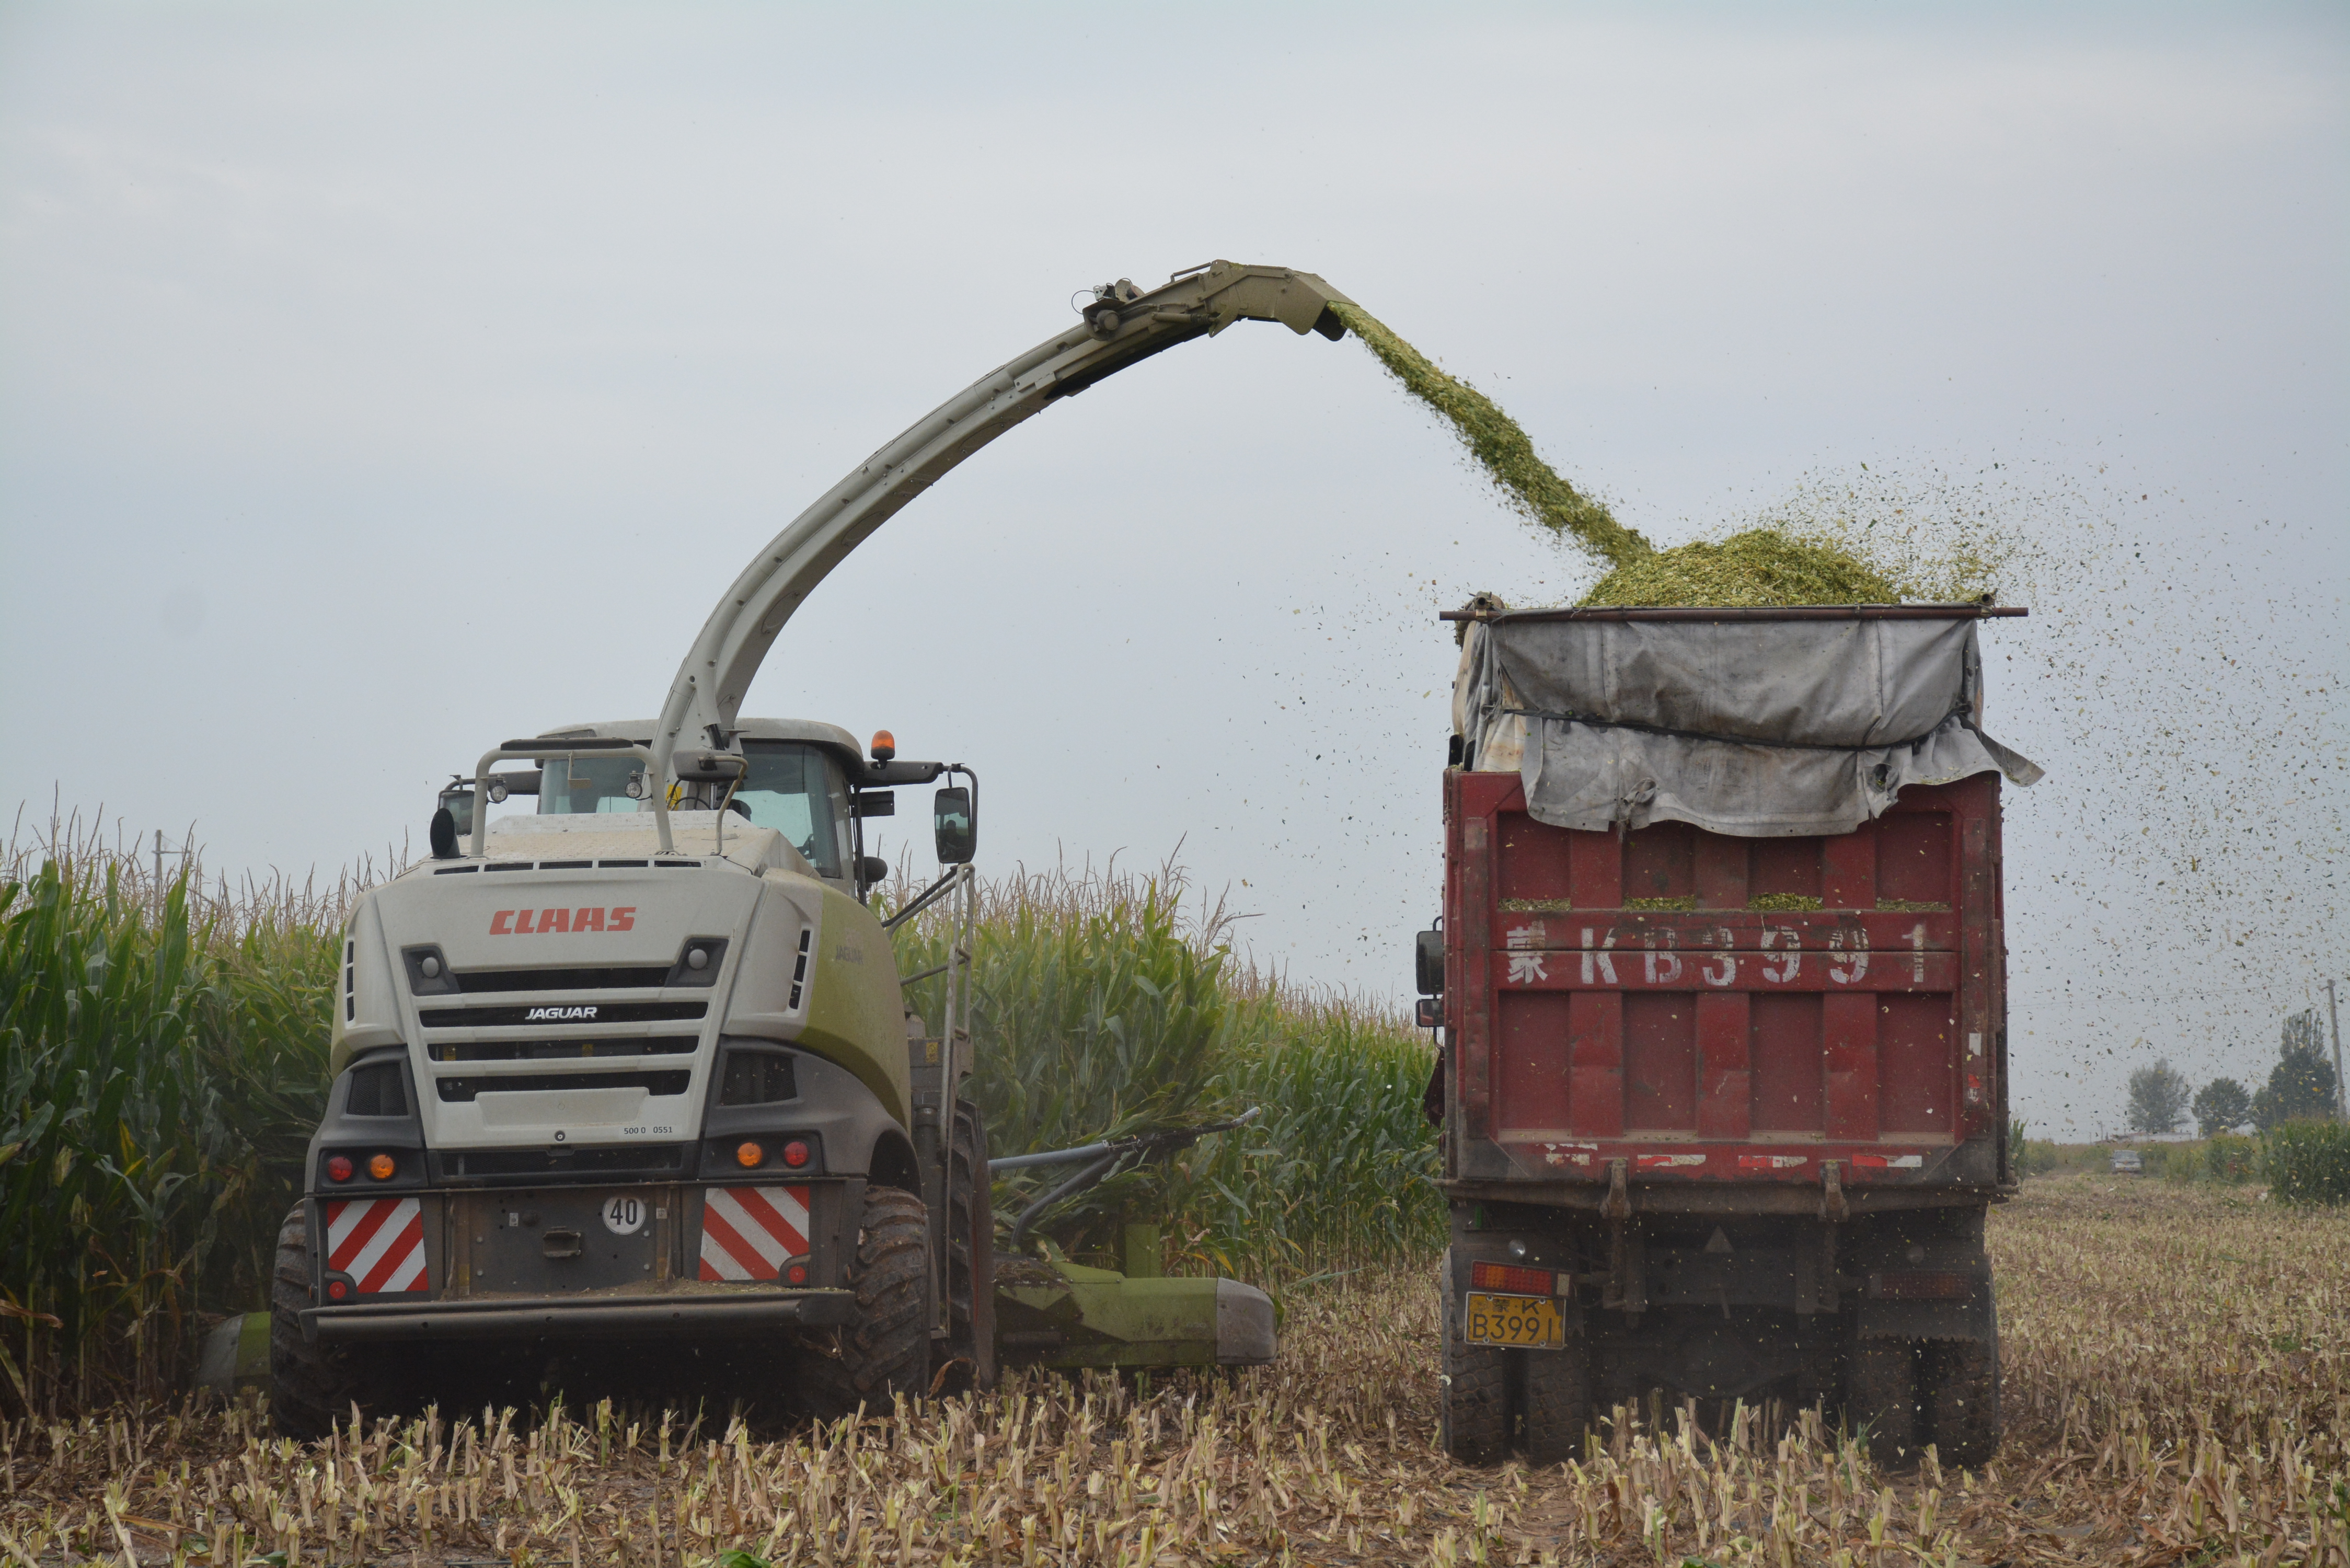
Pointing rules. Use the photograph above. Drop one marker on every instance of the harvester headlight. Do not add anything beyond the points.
(339, 1168)
(697, 957)
(749, 1155)
(382, 1166)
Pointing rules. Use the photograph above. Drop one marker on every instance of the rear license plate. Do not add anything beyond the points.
(1524, 1321)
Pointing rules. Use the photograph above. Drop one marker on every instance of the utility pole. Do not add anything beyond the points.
(2340, 1090)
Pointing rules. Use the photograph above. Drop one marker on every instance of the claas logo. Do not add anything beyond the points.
(541, 922)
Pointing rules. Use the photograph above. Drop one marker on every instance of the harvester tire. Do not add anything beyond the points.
(970, 1258)
(886, 1351)
(1881, 1393)
(310, 1385)
(1474, 1403)
(1961, 1380)
(1558, 1401)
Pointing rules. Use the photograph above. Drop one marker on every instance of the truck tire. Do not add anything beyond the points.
(1962, 1399)
(1474, 1405)
(1881, 1393)
(1557, 1402)
(886, 1351)
(970, 1258)
(310, 1386)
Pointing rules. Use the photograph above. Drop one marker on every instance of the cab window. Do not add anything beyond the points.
(798, 789)
(588, 784)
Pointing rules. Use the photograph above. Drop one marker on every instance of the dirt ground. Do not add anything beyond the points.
(2176, 1390)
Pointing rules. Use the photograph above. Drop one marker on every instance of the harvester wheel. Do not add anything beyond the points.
(970, 1257)
(1558, 1401)
(886, 1351)
(310, 1386)
(1961, 1380)
(1475, 1388)
(1881, 1393)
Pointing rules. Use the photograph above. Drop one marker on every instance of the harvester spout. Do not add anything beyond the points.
(1121, 326)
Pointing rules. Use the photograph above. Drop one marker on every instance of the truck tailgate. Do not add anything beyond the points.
(1710, 1009)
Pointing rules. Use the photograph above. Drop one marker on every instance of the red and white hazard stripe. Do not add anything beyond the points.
(379, 1242)
(750, 1232)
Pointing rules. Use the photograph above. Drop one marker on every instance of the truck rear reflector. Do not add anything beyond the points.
(751, 1232)
(1512, 1278)
(1917, 1285)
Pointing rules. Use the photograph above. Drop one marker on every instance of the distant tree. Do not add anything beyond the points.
(2158, 1097)
(2221, 1105)
(2301, 1086)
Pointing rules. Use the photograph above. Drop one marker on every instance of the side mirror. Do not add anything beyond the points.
(872, 870)
(952, 826)
(710, 767)
(1428, 962)
(445, 835)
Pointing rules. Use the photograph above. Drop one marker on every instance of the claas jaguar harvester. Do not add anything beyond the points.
(635, 1071)
(1723, 987)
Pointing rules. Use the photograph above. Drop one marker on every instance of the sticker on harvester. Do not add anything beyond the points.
(750, 1232)
(378, 1242)
(624, 1215)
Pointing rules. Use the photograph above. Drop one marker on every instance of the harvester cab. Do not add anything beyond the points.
(632, 1062)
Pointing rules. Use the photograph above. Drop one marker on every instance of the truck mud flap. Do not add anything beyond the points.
(728, 1313)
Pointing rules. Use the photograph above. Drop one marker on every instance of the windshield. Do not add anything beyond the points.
(796, 790)
(791, 788)
(588, 783)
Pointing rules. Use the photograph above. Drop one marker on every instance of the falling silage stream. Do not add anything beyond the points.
(1761, 567)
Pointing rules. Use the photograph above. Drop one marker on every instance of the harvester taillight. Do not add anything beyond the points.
(382, 1166)
(795, 1154)
(750, 1154)
(339, 1169)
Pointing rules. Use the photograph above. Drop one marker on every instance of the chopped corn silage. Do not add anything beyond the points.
(1763, 567)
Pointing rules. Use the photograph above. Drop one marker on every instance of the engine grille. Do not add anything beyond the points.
(555, 1014)
(463, 1089)
(559, 1050)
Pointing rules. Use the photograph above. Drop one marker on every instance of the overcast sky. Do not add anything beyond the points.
(377, 382)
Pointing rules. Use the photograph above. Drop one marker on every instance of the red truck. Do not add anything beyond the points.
(1721, 987)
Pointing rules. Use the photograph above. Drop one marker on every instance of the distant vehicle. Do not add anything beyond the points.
(2128, 1162)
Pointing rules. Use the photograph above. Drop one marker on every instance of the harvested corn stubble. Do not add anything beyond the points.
(2177, 1390)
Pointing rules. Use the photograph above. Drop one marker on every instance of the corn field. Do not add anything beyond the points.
(2177, 1387)
(1102, 1010)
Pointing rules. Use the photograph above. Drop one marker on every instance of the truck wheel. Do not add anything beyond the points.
(1881, 1393)
(1475, 1405)
(1557, 1403)
(1962, 1399)
(309, 1385)
(970, 1257)
(886, 1351)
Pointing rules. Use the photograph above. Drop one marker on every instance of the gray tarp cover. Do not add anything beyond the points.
(1876, 705)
